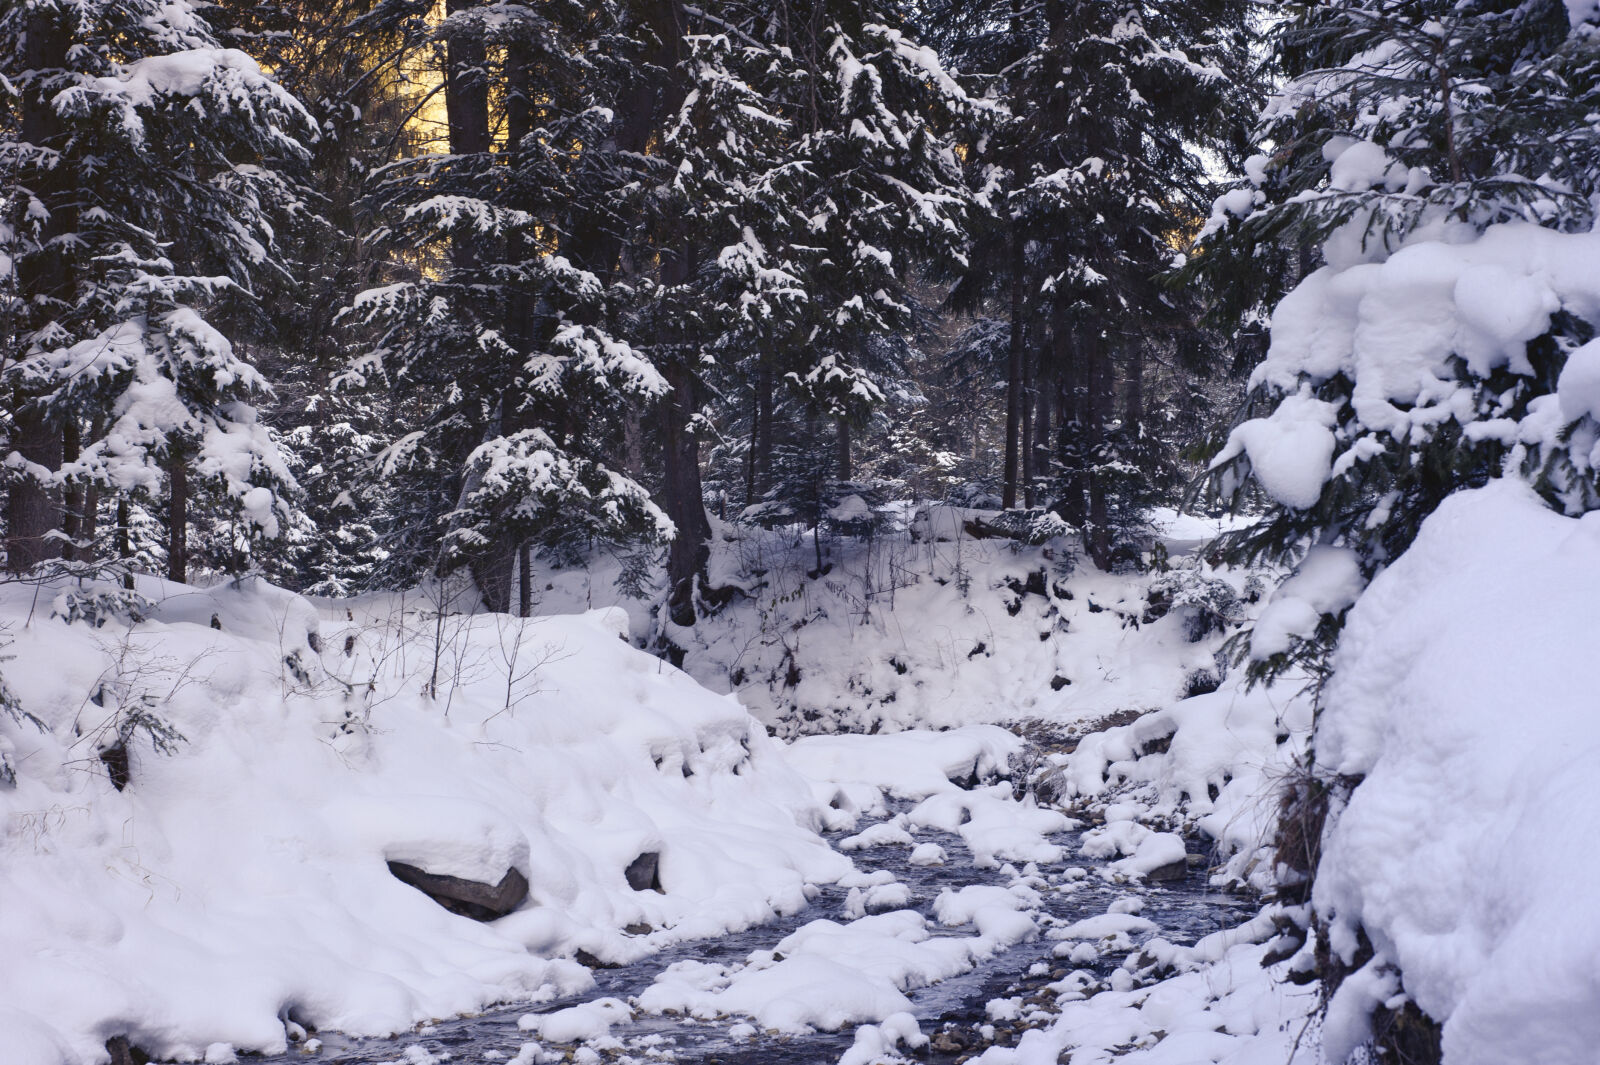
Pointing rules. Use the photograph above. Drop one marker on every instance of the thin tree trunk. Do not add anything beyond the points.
(177, 519)
(1133, 397)
(33, 509)
(525, 581)
(91, 523)
(682, 497)
(841, 449)
(765, 387)
(466, 96)
(1014, 362)
(1099, 399)
(1030, 489)
(74, 497)
(633, 443)
(1044, 391)
(1073, 505)
(124, 545)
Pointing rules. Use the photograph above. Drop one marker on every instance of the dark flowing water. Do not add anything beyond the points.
(1184, 911)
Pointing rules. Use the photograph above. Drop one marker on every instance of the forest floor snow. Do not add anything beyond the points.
(926, 626)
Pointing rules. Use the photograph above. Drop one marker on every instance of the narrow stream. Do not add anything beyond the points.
(952, 1011)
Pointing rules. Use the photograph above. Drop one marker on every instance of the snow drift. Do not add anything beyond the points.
(238, 888)
(1464, 694)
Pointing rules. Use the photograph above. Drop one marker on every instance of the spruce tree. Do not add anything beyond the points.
(501, 342)
(145, 163)
(1455, 140)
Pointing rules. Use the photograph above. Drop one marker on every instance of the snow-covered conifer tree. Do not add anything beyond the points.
(142, 168)
(498, 337)
(1096, 170)
(1443, 159)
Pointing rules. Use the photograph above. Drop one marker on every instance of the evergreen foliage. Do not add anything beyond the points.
(148, 167)
(1410, 130)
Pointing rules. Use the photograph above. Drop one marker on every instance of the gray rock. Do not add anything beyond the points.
(1171, 871)
(644, 872)
(469, 898)
(124, 1053)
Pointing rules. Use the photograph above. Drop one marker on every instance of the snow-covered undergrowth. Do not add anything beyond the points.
(1464, 695)
(237, 887)
(930, 627)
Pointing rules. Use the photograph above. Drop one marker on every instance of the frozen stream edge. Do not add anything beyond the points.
(952, 1011)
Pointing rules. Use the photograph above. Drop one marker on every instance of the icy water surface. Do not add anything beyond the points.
(1184, 911)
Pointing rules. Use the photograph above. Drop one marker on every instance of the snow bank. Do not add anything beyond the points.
(1221, 1008)
(908, 765)
(827, 975)
(1213, 761)
(240, 882)
(1464, 693)
(924, 627)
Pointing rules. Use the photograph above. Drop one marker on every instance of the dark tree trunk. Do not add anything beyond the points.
(76, 493)
(1133, 398)
(125, 541)
(1044, 394)
(1099, 400)
(177, 519)
(91, 524)
(750, 455)
(841, 449)
(1073, 505)
(492, 573)
(765, 387)
(681, 495)
(45, 290)
(33, 510)
(633, 443)
(466, 101)
(1030, 489)
(1014, 362)
(466, 94)
(525, 581)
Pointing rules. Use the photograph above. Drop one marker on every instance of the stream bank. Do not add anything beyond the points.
(1085, 922)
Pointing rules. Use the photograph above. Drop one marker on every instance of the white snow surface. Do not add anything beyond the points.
(1327, 581)
(921, 628)
(1390, 326)
(1220, 1007)
(1464, 692)
(1239, 744)
(827, 975)
(240, 881)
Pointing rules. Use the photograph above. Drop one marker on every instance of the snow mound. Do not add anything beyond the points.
(1464, 693)
(852, 773)
(238, 886)
(907, 765)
